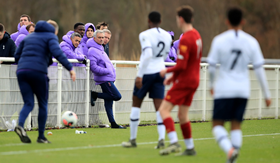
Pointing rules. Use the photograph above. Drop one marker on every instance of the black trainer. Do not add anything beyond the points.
(114, 125)
(93, 98)
(118, 127)
(22, 134)
(45, 141)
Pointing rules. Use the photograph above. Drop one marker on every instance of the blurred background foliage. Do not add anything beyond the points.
(127, 18)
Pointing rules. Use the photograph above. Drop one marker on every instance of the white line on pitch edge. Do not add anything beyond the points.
(7, 145)
(100, 146)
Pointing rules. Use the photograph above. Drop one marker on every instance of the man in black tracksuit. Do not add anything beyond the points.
(7, 45)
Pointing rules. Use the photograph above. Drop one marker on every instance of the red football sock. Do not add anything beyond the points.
(186, 130)
(169, 124)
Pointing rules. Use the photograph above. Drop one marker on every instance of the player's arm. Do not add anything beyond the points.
(213, 60)
(146, 55)
(257, 61)
(182, 59)
(168, 80)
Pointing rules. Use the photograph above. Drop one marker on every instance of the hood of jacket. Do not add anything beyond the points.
(69, 32)
(23, 30)
(92, 43)
(85, 38)
(67, 39)
(43, 26)
(6, 36)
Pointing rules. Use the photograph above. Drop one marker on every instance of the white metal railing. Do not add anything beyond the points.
(202, 100)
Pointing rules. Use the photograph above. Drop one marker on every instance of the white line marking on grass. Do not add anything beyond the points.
(7, 145)
(100, 146)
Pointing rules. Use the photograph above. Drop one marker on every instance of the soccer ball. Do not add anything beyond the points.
(69, 118)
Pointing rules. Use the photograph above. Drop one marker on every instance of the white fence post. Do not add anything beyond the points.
(277, 92)
(114, 104)
(204, 87)
(59, 90)
(87, 93)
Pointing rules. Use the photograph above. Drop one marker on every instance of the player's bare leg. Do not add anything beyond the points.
(165, 109)
(186, 130)
(134, 122)
(160, 125)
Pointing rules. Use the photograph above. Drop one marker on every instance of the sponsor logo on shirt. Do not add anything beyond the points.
(168, 97)
(183, 48)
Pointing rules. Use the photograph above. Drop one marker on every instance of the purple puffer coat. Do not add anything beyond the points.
(100, 63)
(15, 35)
(84, 40)
(172, 54)
(69, 50)
(79, 49)
(176, 44)
(22, 34)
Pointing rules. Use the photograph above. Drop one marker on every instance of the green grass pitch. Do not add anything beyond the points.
(261, 143)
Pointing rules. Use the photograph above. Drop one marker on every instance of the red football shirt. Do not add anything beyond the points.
(186, 71)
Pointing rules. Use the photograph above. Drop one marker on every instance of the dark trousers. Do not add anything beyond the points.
(33, 82)
(109, 93)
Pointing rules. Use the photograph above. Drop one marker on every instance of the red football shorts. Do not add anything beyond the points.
(180, 96)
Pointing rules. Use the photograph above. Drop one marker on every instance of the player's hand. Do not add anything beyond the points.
(163, 72)
(73, 75)
(212, 91)
(138, 82)
(168, 80)
(268, 102)
(1, 62)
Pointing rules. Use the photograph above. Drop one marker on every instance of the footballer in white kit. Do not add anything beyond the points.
(233, 50)
(155, 44)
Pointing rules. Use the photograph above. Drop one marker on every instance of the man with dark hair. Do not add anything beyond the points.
(89, 30)
(69, 45)
(185, 80)
(155, 43)
(79, 28)
(233, 50)
(79, 53)
(102, 25)
(7, 46)
(24, 20)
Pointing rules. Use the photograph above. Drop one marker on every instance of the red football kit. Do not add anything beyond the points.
(186, 71)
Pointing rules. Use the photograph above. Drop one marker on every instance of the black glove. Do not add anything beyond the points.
(85, 61)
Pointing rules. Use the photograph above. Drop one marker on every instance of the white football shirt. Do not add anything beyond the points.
(234, 50)
(155, 44)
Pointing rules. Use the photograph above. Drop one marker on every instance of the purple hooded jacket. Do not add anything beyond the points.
(69, 50)
(22, 34)
(100, 63)
(15, 35)
(176, 43)
(84, 40)
(172, 56)
(79, 49)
